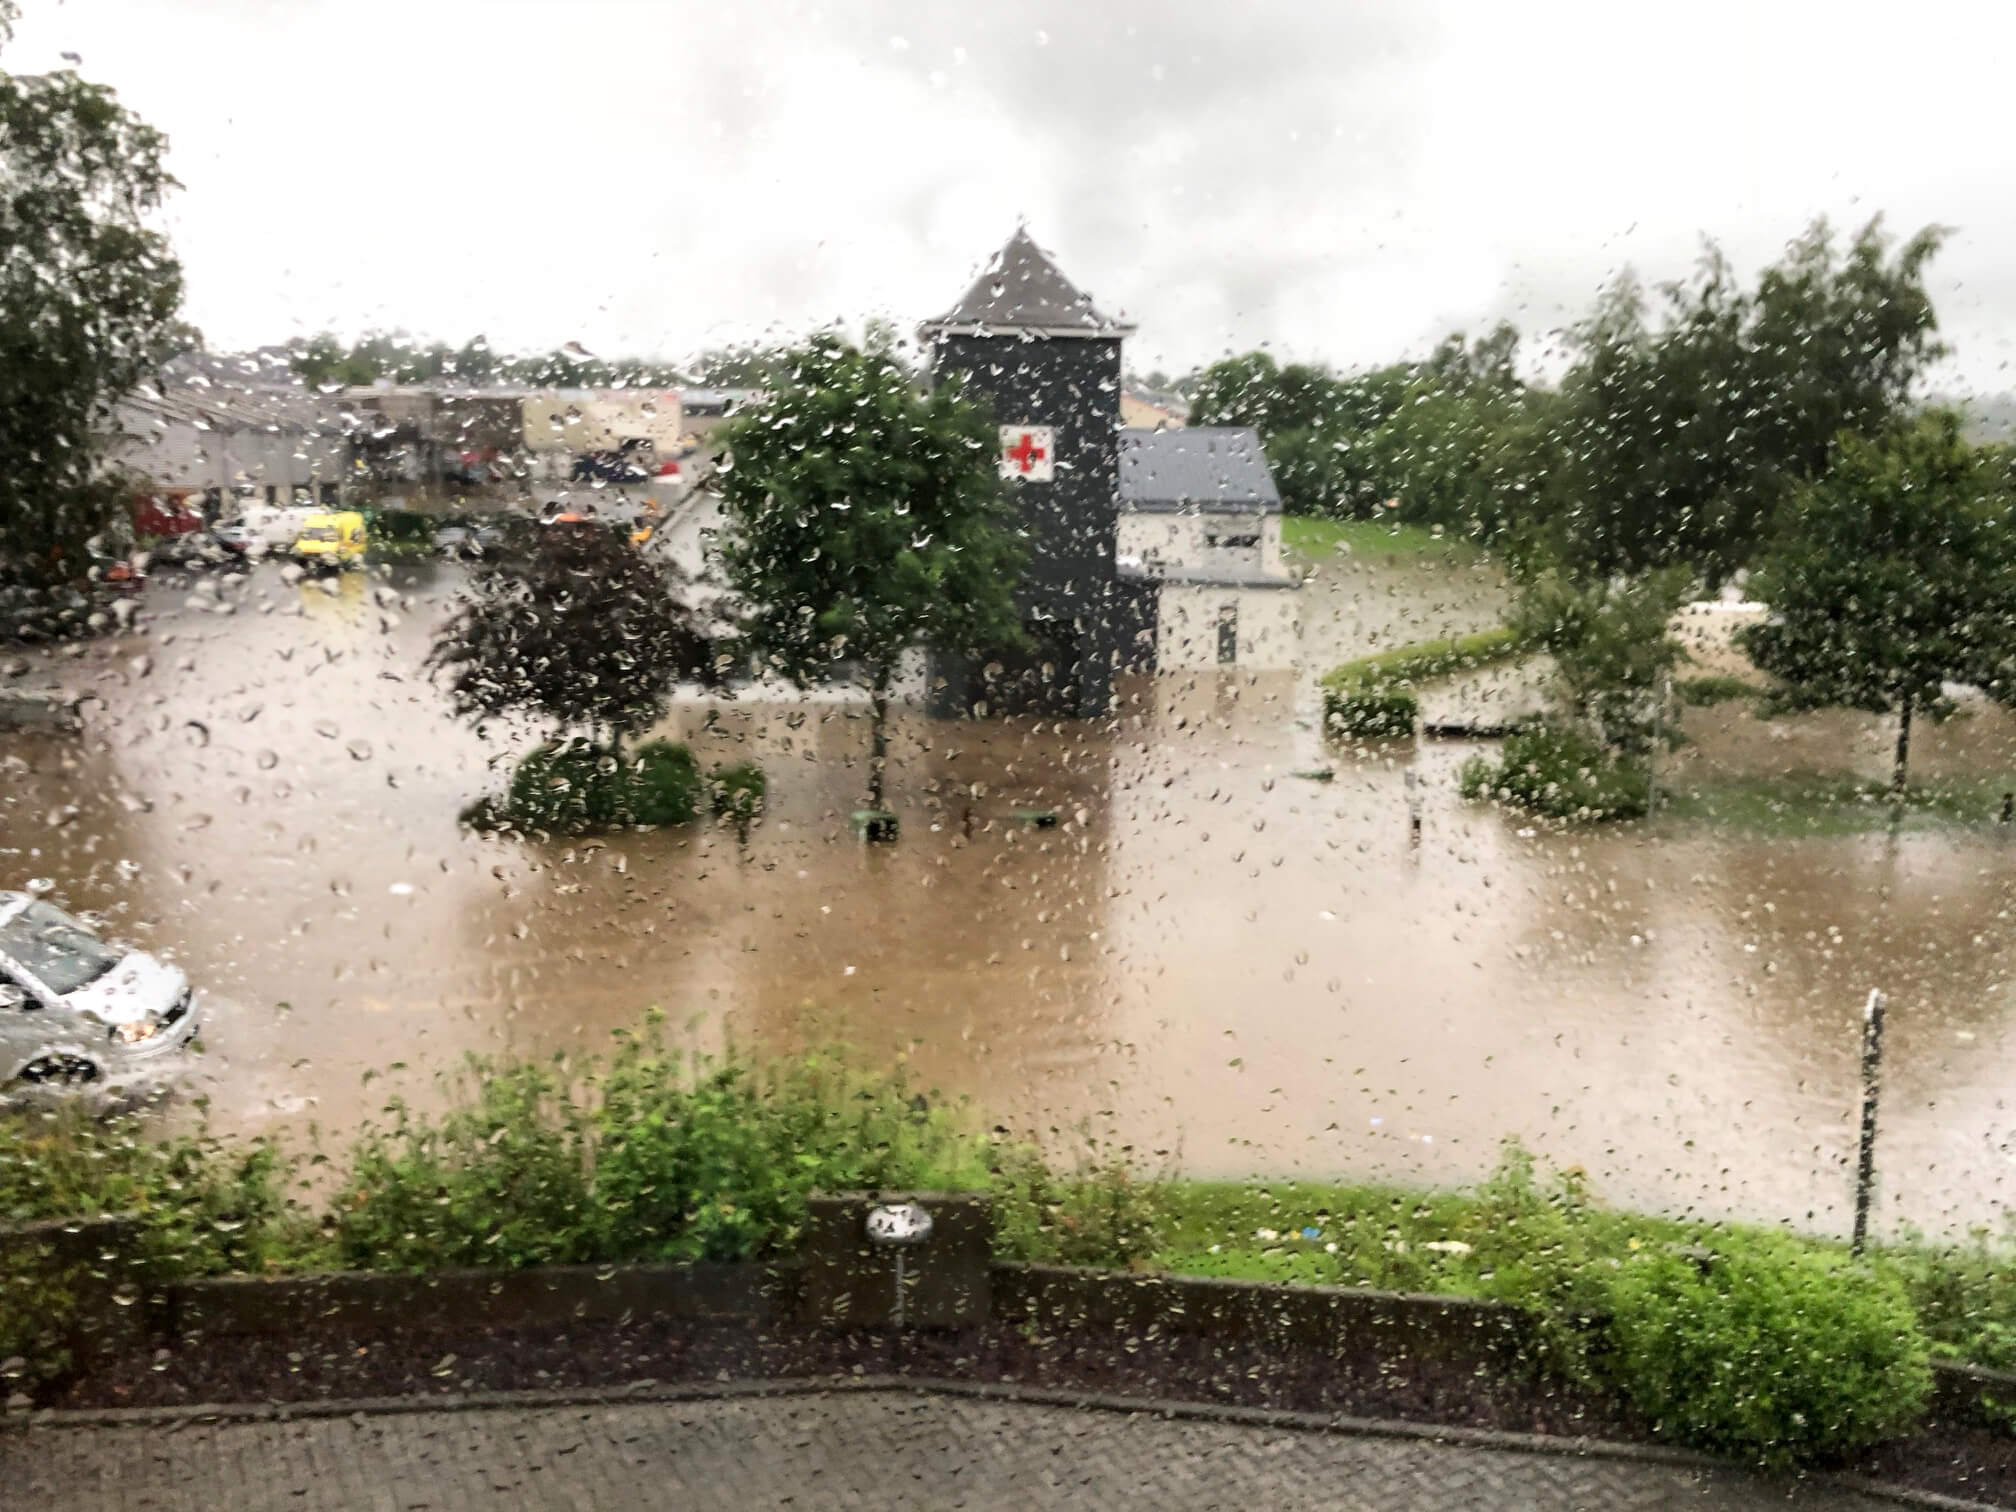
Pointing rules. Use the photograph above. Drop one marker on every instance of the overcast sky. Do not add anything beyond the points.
(1335, 181)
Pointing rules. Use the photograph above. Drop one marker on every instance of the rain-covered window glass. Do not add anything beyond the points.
(1032, 707)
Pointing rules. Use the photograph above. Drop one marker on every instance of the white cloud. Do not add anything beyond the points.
(1336, 181)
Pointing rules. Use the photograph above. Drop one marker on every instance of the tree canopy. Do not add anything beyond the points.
(1680, 439)
(577, 628)
(865, 517)
(1892, 574)
(88, 298)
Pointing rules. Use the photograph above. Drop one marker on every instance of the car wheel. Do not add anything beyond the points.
(60, 1071)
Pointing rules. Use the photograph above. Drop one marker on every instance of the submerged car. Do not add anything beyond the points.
(75, 1008)
(335, 539)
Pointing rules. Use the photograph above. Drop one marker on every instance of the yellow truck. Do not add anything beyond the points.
(334, 540)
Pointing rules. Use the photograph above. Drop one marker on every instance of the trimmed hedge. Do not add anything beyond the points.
(738, 790)
(1370, 698)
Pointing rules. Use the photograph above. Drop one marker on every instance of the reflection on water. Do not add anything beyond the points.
(1207, 957)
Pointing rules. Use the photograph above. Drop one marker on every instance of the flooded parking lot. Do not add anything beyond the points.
(1210, 959)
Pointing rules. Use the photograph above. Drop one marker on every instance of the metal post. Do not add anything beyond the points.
(1413, 781)
(897, 1317)
(1872, 1065)
(1652, 757)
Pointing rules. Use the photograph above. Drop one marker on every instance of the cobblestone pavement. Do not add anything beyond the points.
(844, 1450)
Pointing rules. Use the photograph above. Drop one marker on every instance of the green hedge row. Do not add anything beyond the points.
(575, 785)
(1371, 698)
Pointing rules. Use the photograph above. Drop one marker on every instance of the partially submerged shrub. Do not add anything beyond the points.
(1373, 711)
(1714, 688)
(738, 790)
(1556, 770)
(576, 785)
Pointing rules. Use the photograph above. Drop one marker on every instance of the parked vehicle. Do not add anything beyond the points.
(198, 548)
(334, 540)
(75, 1009)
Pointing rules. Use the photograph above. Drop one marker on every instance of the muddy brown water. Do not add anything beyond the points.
(1211, 960)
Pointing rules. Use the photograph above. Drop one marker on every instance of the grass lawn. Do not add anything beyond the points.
(1825, 803)
(1313, 539)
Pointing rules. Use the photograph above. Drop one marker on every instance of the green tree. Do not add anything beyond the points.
(1892, 574)
(865, 518)
(1612, 646)
(1681, 438)
(88, 299)
(577, 628)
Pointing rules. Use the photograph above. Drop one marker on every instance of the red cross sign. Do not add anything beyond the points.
(1029, 452)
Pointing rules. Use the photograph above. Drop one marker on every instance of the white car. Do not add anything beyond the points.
(74, 1009)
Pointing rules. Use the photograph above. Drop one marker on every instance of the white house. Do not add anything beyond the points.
(1201, 518)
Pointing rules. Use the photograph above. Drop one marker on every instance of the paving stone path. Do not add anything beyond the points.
(855, 1450)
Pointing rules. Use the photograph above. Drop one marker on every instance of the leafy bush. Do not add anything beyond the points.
(1370, 711)
(402, 525)
(1714, 689)
(500, 1180)
(1767, 1349)
(38, 1313)
(576, 785)
(1556, 770)
(1103, 1215)
(207, 1206)
(738, 790)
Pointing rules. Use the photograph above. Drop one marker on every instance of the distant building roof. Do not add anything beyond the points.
(1021, 292)
(1202, 469)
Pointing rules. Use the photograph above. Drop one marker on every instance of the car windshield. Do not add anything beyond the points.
(319, 533)
(55, 949)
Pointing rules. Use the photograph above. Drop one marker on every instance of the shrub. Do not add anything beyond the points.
(1703, 691)
(738, 791)
(499, 1180)
(402, 525)
(664, 784)
(38, 1314)
(1102, 1215)
(577, 785)
(1370, 711)
(1767, 1349)
(1553, 769)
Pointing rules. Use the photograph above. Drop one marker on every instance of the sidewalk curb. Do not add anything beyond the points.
(647, 1391)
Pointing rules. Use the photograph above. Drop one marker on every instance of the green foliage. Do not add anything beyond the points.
(575, 627)
(206, 1205)
(1676, 443)
(323, 361)
(737, 790)
(575, 785)
(1766, 1349)
(500, 1179)
(1556, 770)
(1964, 1296)
(88, 300)
(401, 525)
(1702, 692)
(864, 517)
(1891, 575)
(38, 1316)
(1423, 661)
(1370, 711)
(1103, 1214)
(1612, 645)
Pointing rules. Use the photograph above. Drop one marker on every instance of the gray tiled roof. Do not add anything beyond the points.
(1021, 289)
(1219, 469)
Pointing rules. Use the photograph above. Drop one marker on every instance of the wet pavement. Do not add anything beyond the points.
(1210, 960)
(856, 1449)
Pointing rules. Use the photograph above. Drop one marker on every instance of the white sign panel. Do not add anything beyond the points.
(1029, 452)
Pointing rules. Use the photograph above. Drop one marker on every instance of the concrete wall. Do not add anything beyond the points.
(574, 423)
(1187, 541)
(1268, 627)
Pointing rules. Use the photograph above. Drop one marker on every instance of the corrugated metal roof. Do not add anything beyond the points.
(1021, 289)
(1217, 469)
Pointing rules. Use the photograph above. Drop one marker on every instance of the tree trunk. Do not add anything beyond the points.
(878, 740)
(1903, 746)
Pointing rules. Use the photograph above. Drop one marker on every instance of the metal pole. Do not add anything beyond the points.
(1652, 757)
(1413, 782)
(1872, 1065)
(899, 1289)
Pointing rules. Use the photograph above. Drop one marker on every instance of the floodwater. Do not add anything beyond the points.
(1211, 960)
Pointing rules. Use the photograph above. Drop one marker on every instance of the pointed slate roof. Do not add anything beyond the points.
(1021, 292)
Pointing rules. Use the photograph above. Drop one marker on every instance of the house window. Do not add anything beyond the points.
(1228, 634)
(1232, 542)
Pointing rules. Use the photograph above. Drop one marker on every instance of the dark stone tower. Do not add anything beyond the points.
(1030, 341)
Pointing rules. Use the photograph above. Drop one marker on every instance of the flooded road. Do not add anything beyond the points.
(1210, 960)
